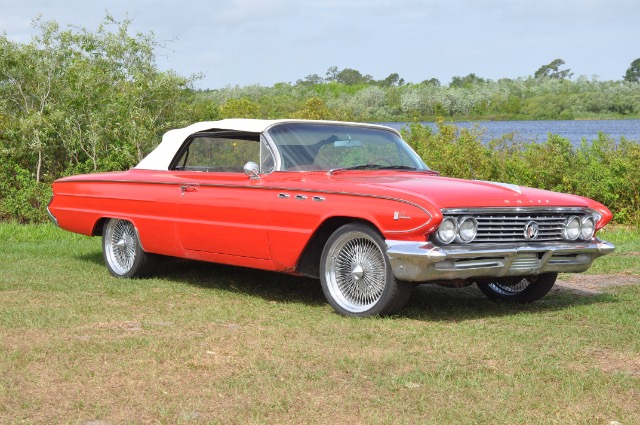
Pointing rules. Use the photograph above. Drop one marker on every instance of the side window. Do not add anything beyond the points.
(217, 154)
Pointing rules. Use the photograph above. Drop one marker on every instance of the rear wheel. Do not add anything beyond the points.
(518, 289)
(356, 276)
(122, 252)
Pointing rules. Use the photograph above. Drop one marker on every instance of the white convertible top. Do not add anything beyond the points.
(161, 156)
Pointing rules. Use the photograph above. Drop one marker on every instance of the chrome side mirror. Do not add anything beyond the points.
(252, 170)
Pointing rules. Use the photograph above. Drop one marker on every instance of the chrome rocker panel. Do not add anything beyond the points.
(424, 261)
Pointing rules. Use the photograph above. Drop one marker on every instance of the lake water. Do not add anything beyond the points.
(537, 131)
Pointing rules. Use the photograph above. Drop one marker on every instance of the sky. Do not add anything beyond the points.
(244, 42)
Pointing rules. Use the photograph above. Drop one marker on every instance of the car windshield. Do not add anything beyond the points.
(305, 146)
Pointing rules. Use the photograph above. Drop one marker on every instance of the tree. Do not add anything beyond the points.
(77, 101)
(431, 82)
(310, 80)
(29, 74)
(331, 73)
(633, 73)
(239, 108)
(466, 82)
(350, 76)
(315, 109)
(392, 80)
(552, 70)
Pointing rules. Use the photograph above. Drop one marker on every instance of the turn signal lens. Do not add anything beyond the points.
(447, 230)
(572, 228)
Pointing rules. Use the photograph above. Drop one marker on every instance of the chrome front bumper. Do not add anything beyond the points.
(424, 261)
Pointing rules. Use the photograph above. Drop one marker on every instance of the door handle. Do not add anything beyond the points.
(188, 188)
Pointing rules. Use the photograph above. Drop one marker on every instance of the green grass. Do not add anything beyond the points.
(626, 258)
(204, 343)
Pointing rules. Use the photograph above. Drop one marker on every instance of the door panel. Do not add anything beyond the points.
(220, 209)
(223, 213)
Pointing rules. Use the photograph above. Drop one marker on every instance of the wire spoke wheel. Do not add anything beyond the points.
(510, 288)
(120, 245)
(356, 272)
(356, 276)
(122, 251)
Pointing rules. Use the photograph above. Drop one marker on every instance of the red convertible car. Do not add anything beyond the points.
(351, 204)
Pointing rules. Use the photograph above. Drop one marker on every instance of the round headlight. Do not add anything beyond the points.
(447, 230)
(587, 227)
(467, 229)
(572, 228)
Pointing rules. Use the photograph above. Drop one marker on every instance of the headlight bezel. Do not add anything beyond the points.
(441, 228)
(592, 231)
(451, 228)
(465, 221)
(583, 223)
(568, 222)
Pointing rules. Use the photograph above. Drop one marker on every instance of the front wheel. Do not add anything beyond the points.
(356, 276)
(122, 252)
(518, 290)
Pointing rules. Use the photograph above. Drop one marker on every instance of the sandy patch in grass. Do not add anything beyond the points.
(611, 361)
(594, 284)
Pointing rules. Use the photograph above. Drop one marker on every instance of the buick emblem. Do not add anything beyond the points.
(531, 230)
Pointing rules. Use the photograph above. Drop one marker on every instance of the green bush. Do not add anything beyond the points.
(602, 170)
(22, 199)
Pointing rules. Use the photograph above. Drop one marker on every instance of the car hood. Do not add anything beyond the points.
(457, 193)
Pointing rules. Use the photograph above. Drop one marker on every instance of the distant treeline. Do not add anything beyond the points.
(464, 98)
(74, 101)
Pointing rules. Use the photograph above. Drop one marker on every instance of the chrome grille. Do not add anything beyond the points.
(508, 225)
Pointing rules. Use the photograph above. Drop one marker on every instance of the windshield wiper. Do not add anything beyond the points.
(380, 167)
(399, 167)
(408, 168)
(356, 167)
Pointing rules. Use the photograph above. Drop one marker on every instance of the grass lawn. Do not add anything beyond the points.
(204, 343)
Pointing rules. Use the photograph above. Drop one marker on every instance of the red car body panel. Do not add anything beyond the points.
(231, 219)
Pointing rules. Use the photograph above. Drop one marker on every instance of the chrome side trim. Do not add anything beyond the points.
(274, 188)
(424, 261)
(515, 210)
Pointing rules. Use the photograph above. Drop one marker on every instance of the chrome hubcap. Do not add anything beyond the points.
(357, 272)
